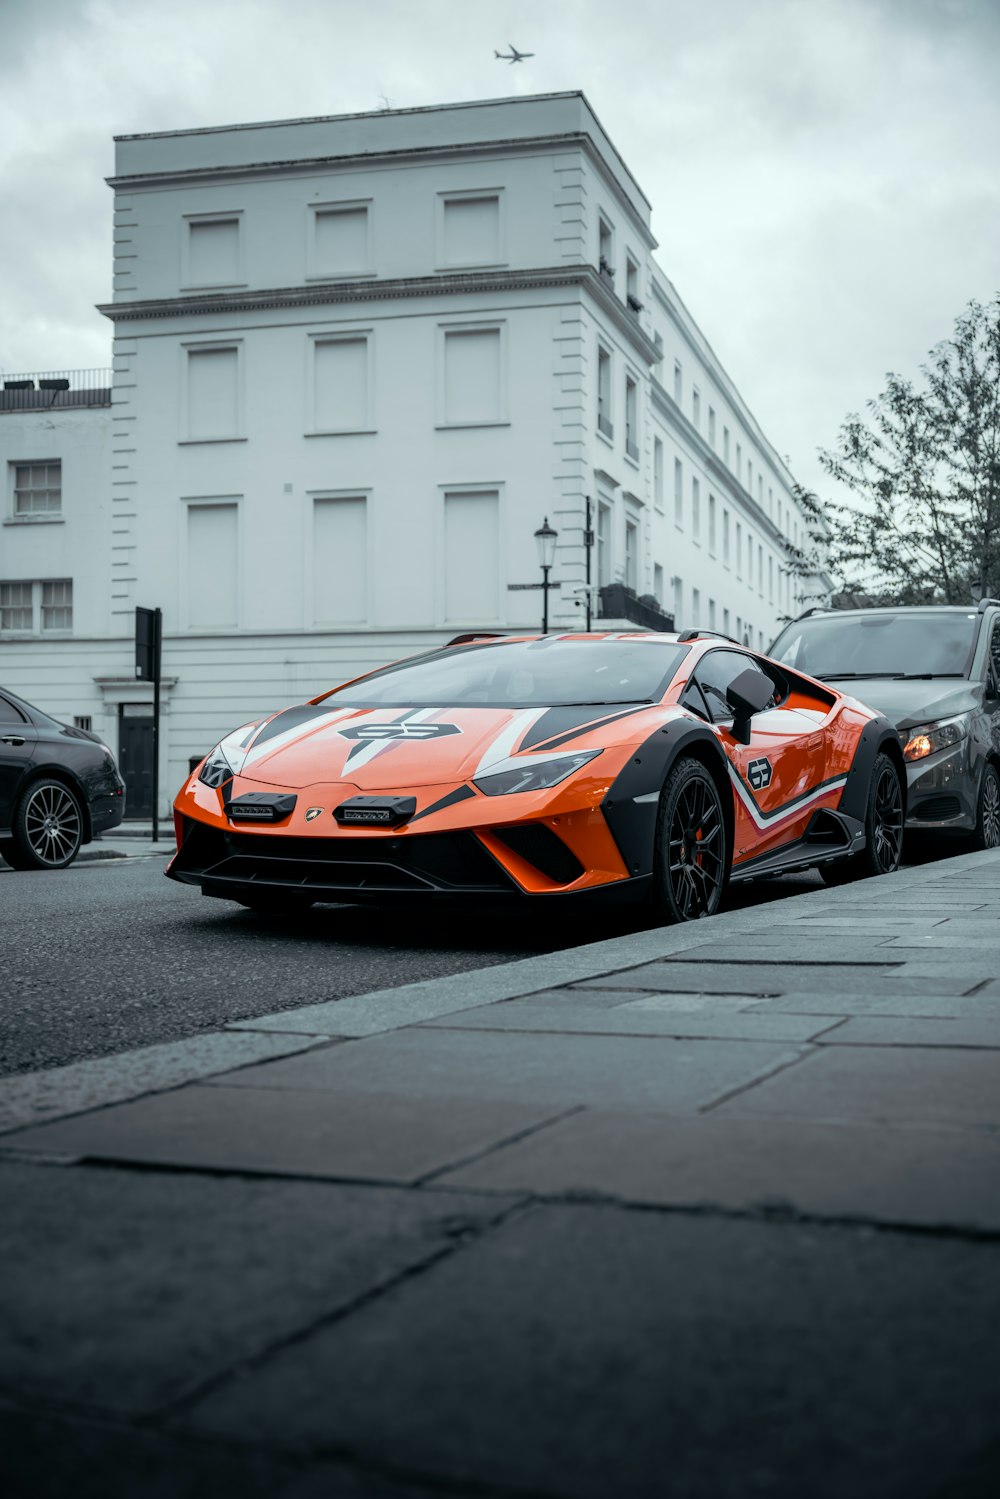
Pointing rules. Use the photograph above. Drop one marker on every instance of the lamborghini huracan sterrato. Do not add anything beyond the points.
(658, 767)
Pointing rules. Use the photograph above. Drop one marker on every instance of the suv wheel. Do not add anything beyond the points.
(987, 834)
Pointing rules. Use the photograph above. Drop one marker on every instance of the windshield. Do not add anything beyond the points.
(889, 644)
(551, 672)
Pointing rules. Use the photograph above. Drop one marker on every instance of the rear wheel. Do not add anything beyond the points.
(690, 855)
(47, 828)
(883, 829)
(987, 833)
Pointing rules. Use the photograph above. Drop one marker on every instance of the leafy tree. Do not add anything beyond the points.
(924, 466)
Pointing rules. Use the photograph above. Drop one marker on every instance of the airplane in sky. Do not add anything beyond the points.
(513, 55)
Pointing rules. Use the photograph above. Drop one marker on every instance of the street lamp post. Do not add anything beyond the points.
(545, 538)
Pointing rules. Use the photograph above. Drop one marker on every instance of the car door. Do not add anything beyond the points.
(774, 775)
(18, 742)
(991, 698)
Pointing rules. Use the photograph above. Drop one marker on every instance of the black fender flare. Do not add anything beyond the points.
(632, 801)
(878, 735)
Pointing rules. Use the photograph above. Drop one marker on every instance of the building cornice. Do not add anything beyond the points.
(348, 293)
(405, 156)
(723, 477)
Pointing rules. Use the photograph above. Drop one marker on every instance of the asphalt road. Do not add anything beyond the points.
(108, 956)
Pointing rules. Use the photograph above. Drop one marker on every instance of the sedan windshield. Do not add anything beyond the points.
(892, 643)
(551, 672)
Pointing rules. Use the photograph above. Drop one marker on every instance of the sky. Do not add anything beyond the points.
(823, 173)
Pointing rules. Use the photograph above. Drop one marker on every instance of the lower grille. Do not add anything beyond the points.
(539, 846)
(937, 809)
(433, 861)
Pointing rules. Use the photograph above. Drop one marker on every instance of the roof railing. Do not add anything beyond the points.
(41, 390)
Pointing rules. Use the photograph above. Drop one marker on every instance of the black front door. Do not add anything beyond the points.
(135, 758)
(18, 742)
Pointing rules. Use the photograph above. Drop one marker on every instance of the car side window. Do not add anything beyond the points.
(714, 674)
(994, 662)
(8, 713)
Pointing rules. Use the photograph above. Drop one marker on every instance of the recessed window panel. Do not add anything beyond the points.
(472, 230)
(212, 566)
(213, 393)
(340, 560)
(341, 385)
(213, 252)
(471, 540)
(341, 241)
(472, 375)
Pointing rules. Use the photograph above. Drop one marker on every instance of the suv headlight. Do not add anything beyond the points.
(226, 760)
(531, 774)
(927, 738)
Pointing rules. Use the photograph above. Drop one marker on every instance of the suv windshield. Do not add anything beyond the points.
(550, 672)
(892, 643)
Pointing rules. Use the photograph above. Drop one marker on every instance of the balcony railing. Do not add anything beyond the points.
(44, 390)
(619, 602)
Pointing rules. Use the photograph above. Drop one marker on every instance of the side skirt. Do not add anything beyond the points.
(829, 836)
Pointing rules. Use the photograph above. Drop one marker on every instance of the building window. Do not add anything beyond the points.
(678, 492)
(760, 570)
(678, 592)
(658, 346)
(678, 382)
(471, 229)
(770, 580)
(212, 251)
(770, 501)
(632, 285)
(339, 240)
(725, 621)
(696, 607)
(750, 475)
(472, 383)
(657, 473)
(341, 383)
(211, 576)
(603, 544)
(711, 427)
(725, 446)
(83, 721)
(37, 490)
(739, 460)
(471, 552)
(696, 509)
(696, 406)
(339, 560)
(711, 614)
(36, 607)
(604, 422)
(631, 553)
(711, 524)
(760, 490)
(725, 537)
(214, 393)
(631, 418)
(658, 583)
(739, 550)
(605, 248)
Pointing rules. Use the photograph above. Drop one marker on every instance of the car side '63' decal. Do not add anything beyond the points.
(759, 773)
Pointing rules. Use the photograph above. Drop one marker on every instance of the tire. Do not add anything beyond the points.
(987, 833)
(690, 858)
(47, 827)
(276, 904)
(883, 829)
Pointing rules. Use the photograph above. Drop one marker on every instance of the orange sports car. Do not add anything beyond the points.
(653, 767)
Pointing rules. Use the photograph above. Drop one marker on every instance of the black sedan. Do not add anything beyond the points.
(58, 787)
(934, 671)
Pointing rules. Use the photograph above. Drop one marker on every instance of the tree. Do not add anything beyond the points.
(925, 469)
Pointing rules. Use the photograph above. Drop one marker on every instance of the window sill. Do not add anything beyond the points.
(186, 442)
(632, 454)
(605, 437)
(365, 275)
(34, 520)
(484, 422)
(341, 432)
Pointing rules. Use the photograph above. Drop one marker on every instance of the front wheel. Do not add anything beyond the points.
(883, 830)
(690, 858)
(987, 834)
(47, 828)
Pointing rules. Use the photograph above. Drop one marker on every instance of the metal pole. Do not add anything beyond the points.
(588, 542)
(157, 639)
(545, 600)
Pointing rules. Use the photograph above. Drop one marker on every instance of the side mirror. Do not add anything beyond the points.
(749, 693)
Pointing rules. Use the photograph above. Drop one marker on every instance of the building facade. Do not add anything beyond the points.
(357, 362)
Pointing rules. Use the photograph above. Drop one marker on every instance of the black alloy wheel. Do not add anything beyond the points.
(48, 828)
(987, 834)
(883, 829)
(691, 853)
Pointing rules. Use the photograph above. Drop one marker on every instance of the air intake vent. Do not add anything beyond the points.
(937, 809)
(538, 845)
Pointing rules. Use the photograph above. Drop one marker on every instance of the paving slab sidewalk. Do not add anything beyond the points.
(708, 1211)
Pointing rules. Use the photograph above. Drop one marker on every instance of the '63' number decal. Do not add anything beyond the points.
(759, 774)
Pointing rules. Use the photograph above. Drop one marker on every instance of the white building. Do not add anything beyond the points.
(357, 361)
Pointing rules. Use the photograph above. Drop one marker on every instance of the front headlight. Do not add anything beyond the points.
(226, 760)
(927, 738)
(531, 774)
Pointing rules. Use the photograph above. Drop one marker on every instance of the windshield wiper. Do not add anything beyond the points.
(888, 676)
(606, 702)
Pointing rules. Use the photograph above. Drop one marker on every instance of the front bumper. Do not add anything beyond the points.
(942, 792)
